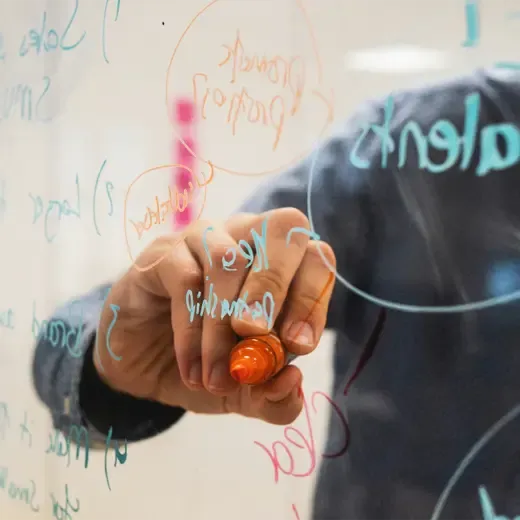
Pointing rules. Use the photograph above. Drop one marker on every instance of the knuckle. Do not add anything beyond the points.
(191, 276)
(240, 261)
(328, 253)
(198, 226)
(317, 250)
(219, 251)
(288, 218)
(303, 304)
(271, 280)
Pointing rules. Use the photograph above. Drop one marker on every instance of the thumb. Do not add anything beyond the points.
(281, 400)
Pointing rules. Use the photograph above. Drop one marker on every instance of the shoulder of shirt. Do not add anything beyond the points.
(430, 99)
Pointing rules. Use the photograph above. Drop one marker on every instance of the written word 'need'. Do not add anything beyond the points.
(60, 442)
(55, 209)
(499, 144)
(24, 100)
(258, 310)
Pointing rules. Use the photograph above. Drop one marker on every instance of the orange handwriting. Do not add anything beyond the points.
(240, 62)
(271, 113)
(162, 210)
(287, 79)
(256, 112)
(175, 202)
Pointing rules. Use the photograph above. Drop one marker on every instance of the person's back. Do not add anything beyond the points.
(427, 228)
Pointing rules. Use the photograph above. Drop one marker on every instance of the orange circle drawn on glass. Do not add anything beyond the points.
(327, 101)
(168, 167)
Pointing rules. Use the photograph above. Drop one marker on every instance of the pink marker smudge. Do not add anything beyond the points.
(185, 120)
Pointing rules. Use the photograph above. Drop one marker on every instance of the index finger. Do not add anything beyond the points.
(277, 261)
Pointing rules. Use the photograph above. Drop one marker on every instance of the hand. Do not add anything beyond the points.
(168, 358)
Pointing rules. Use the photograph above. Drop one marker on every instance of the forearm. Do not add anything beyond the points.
(67, 381)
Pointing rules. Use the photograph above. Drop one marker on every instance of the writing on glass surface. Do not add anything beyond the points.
(171, 201)
(52, 211)
(258, 310)
(59, 443)
(236, 104)
(443, 136)
(27, 101)
(66, 333)
(264, 310)
(487, 507)
(472, 18)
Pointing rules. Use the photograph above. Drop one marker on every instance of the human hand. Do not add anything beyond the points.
(161, 348)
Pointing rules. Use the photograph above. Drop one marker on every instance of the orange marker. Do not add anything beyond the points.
(257, 359)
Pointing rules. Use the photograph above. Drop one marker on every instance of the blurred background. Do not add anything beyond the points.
(98, 101)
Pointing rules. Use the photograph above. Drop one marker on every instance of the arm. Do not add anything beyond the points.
(71, 387)
(349, 206)
(67, 382)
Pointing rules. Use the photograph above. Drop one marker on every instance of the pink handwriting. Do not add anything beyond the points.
(286, 465)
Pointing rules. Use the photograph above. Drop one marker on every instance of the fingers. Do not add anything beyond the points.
(280, 398)
(305, 308)
(182, 276)
(268, 281)
(222, 289)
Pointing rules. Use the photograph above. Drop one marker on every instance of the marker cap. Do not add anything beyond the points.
(256, 359)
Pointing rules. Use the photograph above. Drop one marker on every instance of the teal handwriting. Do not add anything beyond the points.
(19, 101)
(471, 11)
(244, 249)
(24, 430)
(47, 40)
(488, 510)
(104, 28)
(16, 492)
(60, 445)
(69, 208)
(265, 310)
(114, 309)
(63, 209)
(6, 319)
(62, 512)
(208, 306)
(119, 455)
(109, 188)
(472, 17)
(2, 50)
(5, 422)
(61, 333)
(444, 136)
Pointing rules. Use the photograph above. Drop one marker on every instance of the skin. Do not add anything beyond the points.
(166, 358)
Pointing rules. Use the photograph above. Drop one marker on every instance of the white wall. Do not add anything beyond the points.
(204, 468)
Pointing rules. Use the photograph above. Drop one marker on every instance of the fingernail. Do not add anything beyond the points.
(219, 376)
(300, 391)
(301, 333)
(195, 376)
